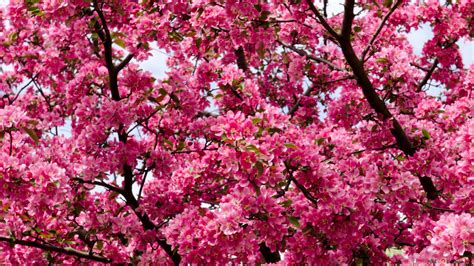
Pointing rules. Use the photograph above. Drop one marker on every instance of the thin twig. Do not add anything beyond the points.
(379, 29)
(142, 185)
(321, 19)
(305, 192)
(311, 57)
(428, 75)
(99, 183)
(124, 62)
(22, 88)
(295, 107)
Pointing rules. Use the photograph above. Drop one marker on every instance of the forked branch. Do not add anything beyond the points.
(63, 250)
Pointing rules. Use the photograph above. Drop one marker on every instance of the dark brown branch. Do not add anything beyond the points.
(325, 8)
(379, 29)
(419, 67)
(191, 151)
(428, 187)
(404, 143)
(22, 88)
(123, 135)
(99, 183)
(348, 19)
(124, 63)
(268, 255)
(321, 19)
(11, 143)
(295, 107)
(143, 217)
(401, 243)
(241, 61)
(428, 75)
(104, 34)
(305, 192)
(142, 184)
(291, 178)
(48, 247)
(311, 57)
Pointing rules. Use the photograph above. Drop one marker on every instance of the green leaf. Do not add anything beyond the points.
(253, 148)
(274, 130)
(426, 134)
(175, 36)
(32, 134)
(113, 195)
(224, 137)
(291, 146)
(400, 158)
(120, 42)
(286, 203)
(162, 91)
(294, 221)
(305, 168)
(24, 217)
(264, 15)
(256, 120)
(259, 166)
(181, 145)
(100, 244)
(357, 29)
(168, 142)
(13, 36)
(198, 42)
(319, 141)
(387, 3)
(46, 235)
(390, 252)
(382, 60)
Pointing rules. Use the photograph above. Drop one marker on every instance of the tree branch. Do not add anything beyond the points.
(123, 135)
(379, 29)
(143, 217)
(321, 19)
(241, 61)
(305, 192)
(124, 63)
(268, 255)
(104, 33)
(67, 250)
(404, 143)
(295, 107)
(348, 19)
(311, 57)
(428, 75)
(22, 88)
(102, 184)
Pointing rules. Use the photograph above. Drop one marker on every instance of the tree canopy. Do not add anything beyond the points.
(280, 134)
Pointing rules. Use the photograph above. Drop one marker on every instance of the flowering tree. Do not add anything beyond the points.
(280, 134)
